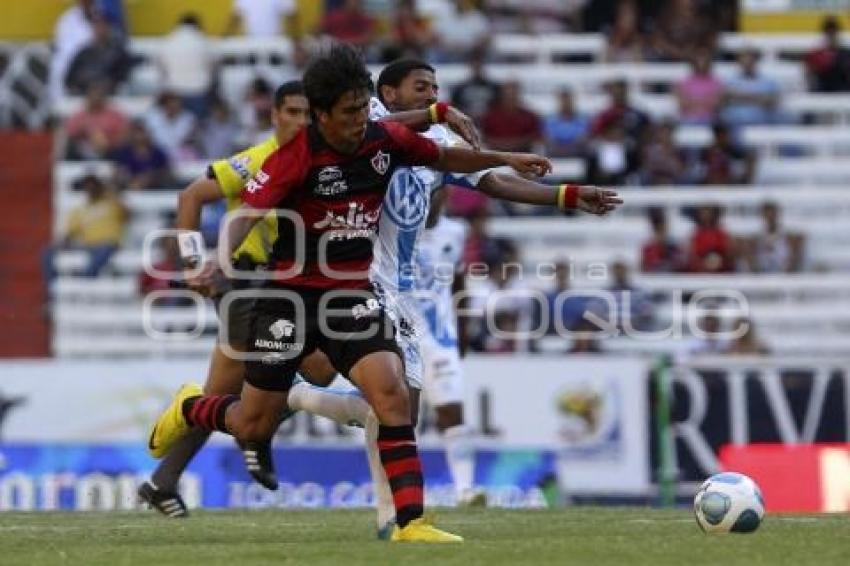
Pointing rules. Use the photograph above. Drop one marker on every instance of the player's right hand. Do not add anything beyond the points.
(464, 126)
(205, 282)
(528, 164)
(595, 200)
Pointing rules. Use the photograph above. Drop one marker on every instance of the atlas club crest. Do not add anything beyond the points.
(381, 162)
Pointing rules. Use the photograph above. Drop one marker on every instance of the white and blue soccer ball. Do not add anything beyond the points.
(729, 503)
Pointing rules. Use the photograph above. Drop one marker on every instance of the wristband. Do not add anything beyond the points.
(437, 112)
(568, 196)
(191, 246)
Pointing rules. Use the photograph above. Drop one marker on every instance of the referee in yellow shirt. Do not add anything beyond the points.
(225, 179)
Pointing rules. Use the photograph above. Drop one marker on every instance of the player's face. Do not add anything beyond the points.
(418, 90)
(290, 116)
(345, 125)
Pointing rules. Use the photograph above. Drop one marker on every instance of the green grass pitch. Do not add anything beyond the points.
(591, 536)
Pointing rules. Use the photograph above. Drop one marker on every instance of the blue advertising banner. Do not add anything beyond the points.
(105, 477)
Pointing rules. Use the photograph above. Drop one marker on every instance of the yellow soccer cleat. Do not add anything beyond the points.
(420, 530)
(171, 425)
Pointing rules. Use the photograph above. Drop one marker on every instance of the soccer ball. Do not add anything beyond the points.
(729, 503)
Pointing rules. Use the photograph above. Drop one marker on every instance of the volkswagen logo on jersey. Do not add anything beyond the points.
(381, 162)
(407, 200)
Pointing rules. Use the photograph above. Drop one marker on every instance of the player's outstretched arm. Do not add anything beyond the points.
(463, 160)
(593, 200)
(460, 123)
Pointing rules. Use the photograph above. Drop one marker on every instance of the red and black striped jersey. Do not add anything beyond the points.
(336, 200)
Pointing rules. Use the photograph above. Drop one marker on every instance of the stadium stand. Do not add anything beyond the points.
(799, 164)
(786, 307)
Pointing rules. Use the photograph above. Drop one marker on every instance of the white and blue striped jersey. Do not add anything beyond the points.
(440, 257)
(404, 212)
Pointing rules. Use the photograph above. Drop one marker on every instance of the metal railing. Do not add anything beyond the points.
(23, 85)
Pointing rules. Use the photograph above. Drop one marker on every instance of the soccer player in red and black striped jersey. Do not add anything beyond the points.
(330, 182)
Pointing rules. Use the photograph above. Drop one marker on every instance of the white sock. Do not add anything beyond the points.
(343, 407)
(383, 493)
(460, 457)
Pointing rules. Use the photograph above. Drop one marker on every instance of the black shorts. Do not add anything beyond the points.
(234, 327)
(344, 324)
(236, 321)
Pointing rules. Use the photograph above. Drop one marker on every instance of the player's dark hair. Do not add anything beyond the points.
(289, 88)
(394, 73)
(333, 73)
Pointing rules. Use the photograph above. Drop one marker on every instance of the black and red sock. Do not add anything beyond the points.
(208, 412)
(397, 446)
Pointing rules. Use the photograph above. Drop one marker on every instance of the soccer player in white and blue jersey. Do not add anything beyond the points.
(403, 217)
(394, 268)
(403, 251)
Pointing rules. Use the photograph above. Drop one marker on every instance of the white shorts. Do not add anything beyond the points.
(409, 329)
(412, 360)
(444, 384)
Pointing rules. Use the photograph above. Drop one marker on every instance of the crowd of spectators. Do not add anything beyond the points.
(711, 248)
(510, 311)
(710, 338)
(621, 144)
(510, 298)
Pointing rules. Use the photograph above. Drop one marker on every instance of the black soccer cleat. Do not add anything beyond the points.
(169, 503)
(258, 461)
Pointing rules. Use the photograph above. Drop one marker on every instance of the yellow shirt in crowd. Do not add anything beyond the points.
(98, 223)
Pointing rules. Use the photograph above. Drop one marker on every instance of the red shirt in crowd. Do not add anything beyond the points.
(511, 130)
(661, 257)
(710, 251)
(350, 26)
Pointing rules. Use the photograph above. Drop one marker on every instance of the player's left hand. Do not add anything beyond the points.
(597, 201)
(462, 125)
(528, 164)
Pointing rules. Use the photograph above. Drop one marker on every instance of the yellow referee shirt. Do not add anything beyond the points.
(232, 174)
